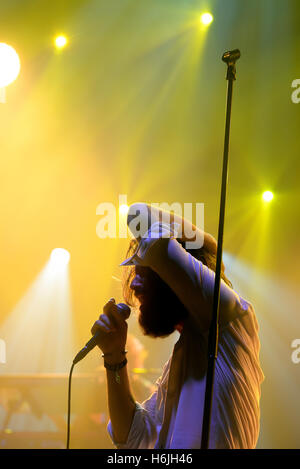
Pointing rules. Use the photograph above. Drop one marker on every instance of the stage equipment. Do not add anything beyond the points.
(229, 58)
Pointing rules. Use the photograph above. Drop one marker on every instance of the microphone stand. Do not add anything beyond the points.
(229, 58)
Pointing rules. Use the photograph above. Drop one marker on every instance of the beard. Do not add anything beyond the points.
(160, 309)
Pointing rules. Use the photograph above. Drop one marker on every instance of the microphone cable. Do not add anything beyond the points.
(69, 407)
(124, 310)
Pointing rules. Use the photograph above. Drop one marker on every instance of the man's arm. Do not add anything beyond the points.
(190, 279)
(149, 214)
(121, 403)
(131, 425)
(112, 343)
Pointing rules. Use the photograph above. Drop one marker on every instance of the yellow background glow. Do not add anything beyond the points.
(136, 106)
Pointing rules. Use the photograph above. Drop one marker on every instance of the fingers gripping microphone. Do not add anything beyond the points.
(124, 310)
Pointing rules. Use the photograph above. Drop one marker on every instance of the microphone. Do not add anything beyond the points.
(124, 310)
(231, 56)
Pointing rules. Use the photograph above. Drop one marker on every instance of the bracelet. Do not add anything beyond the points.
(109, 354)
(116, 368)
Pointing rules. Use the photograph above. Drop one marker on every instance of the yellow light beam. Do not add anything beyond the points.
(38, 333)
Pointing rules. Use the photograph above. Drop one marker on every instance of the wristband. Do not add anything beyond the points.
(116, 368)
(109, 354)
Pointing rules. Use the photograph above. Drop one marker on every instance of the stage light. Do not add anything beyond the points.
(206, 19)
(60, 257)
(60, 41)
(123, 209)
(42, 321)
(267, 196)
(9, 65)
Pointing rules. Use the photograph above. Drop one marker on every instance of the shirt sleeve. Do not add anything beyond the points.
(142, 434)
(191, 280)
(148, 417)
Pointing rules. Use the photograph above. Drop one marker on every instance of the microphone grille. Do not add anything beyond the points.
(124, 310)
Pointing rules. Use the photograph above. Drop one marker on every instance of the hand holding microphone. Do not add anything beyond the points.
(109, 332)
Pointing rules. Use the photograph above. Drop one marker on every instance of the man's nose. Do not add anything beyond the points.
(136, 282)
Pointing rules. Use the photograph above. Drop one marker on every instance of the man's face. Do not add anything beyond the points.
(139, 283)
(160, 308)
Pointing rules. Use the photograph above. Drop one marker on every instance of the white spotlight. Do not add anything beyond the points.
(60, 257)
(9, 64)
(123, 209)
(206, 19)
(268, 196)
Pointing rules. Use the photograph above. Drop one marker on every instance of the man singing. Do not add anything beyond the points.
(173, 286)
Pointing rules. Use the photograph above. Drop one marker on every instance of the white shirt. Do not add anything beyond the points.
(172, 416)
